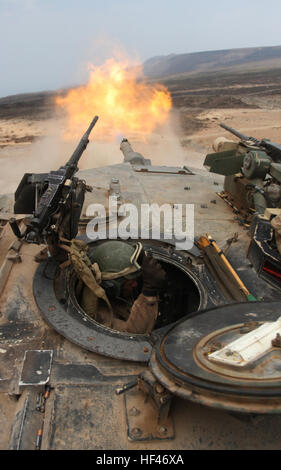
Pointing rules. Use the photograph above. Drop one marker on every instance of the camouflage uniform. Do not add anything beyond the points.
(141, 318)
(276, 224)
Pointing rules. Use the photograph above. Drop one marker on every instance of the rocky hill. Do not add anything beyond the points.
(208, 61)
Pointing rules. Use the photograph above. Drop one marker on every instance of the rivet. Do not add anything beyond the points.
(163, 430)
(136, 432)
(159, 388)
(134, 411)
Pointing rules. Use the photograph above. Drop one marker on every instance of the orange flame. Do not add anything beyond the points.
(125, 104)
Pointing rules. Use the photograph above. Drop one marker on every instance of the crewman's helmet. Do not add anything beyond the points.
(118, 262)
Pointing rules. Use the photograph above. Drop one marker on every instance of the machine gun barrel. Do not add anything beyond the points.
(60, 199)
(239, 134)
(73, 161)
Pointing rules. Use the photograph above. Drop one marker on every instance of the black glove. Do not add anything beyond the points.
(153, 276)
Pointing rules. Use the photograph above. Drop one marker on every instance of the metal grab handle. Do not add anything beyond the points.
(15, 228)
(126, 387)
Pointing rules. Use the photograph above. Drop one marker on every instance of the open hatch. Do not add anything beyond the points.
(56, 295)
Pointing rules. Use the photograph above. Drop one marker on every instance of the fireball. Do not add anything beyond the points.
(126, 104)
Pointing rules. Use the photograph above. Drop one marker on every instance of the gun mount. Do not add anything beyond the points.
(252, 187)
(252, 170)
(54, 199)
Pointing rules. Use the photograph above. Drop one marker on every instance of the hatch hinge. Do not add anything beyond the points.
(148, 410)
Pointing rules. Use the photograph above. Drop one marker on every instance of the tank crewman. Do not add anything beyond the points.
(144, 311)
(276, 225)
(110, 281)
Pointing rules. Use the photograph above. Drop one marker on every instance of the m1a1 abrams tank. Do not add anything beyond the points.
(207, 376)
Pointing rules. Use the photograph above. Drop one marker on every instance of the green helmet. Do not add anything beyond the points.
(116, 259)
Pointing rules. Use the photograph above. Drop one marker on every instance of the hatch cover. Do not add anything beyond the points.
(193, 359)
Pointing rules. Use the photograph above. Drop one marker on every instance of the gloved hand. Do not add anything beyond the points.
(153, 276)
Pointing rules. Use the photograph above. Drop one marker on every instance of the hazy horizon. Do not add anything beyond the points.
(47, 45)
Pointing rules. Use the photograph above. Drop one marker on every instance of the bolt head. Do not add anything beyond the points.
(162, 430)
(247, 162)
(159, 388)
(134, 411)
(136, 432)
(228, 353)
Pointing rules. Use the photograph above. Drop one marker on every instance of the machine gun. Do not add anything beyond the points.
(54, 199)
(252, 188)
(252, 169)
(272, 149)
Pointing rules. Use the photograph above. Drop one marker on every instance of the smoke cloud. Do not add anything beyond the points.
(48, 153)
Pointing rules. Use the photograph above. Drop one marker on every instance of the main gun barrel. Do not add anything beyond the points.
(130, 156)
(73, 161)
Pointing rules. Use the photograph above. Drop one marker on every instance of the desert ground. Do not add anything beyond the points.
(31, 127)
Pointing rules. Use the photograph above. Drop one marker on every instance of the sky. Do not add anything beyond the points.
(48, 44)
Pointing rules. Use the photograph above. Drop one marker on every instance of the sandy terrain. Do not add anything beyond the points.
(19, 131)
(258, 123)
(31, 131)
